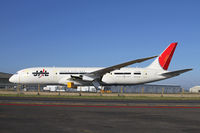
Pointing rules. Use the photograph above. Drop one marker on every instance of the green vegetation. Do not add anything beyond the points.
(106, 97)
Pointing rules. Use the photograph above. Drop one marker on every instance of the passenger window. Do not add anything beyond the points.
(137, 73)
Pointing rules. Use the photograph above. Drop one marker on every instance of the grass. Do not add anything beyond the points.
(104, 97)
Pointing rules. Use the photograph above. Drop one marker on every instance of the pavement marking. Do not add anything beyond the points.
(141, 105)
(183, 105)
(162, 105)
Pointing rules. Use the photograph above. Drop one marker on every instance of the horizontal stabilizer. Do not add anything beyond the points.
(175, 73)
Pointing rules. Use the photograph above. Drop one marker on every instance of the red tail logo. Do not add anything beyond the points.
(166, 56)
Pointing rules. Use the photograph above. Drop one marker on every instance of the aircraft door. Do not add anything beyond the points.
(55, 75)
(145, 74)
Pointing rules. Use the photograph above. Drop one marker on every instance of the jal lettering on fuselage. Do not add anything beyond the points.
(41, 73)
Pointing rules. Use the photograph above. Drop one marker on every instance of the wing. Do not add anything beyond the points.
(101, 72)
(175, 73)
(94, 77)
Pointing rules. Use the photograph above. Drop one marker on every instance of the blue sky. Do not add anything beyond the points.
(99, 33)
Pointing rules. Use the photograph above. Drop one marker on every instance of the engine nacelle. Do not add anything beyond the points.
(87, 78)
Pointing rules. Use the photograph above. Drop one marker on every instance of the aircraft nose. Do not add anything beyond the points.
(14, 79)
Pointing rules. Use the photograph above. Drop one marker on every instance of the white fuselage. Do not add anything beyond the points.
(55, 75)
(118, 74)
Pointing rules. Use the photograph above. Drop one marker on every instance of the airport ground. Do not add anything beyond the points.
(94, 95)
(67, 115)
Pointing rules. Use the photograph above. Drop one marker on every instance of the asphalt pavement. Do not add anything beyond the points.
(52, 115)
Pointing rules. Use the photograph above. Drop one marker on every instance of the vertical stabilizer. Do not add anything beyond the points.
(163, 61)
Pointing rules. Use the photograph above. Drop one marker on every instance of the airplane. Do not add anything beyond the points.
(119, 74)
